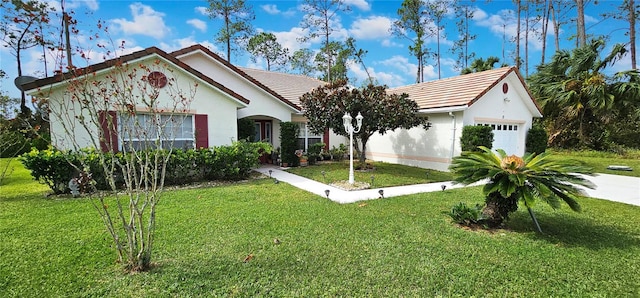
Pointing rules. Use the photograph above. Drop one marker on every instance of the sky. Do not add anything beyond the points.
(172, 25)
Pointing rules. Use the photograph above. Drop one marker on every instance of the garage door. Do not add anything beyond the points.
(505, 137)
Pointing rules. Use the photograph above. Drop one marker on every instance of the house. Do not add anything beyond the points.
(226, 93)
(498, 98)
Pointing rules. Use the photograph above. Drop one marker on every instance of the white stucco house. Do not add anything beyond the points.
(226, 93)
(498, 98)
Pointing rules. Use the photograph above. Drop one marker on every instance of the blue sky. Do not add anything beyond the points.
(171, 25)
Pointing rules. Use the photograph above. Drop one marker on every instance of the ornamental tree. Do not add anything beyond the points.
(325, 106)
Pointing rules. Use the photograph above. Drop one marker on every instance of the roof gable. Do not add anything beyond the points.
(143, 54)
(259, 83)
(460, 91)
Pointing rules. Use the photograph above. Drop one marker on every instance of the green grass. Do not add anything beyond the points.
(403, 246)
(599, 161)
(385, 174)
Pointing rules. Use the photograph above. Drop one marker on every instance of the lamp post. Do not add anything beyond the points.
(348, 127)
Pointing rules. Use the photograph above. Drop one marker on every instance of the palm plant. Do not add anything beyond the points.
(577, 97)
(512, 179)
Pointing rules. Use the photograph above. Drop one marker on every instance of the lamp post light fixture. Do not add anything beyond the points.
(326, 192)
(348, 127)
(270, 171)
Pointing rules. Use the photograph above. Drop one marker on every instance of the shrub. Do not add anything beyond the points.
(338, 152)
(57, 168)
(466, 215)
(52, 167)
(536, 140)
(314, 152)
(475, 136)
(289, 143)
(246, 129)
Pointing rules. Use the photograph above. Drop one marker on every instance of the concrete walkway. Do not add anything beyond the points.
(610, 187)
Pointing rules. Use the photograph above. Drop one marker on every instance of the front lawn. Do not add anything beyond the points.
(384, 174)
(599, 161)
(403, 246)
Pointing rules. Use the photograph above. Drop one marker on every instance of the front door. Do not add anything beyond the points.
(263, 133)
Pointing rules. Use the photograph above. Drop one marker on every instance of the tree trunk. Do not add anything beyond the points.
(632, 33)
(498, 208)
(518, 9)
(546, 11)
(581, 34)
(556, 28)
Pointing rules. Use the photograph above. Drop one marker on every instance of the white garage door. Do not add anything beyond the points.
(505, 137)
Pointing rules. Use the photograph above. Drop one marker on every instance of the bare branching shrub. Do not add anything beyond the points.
(137, 109)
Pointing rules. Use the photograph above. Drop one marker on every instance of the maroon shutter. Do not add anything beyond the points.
(108, 121)
(202, 131)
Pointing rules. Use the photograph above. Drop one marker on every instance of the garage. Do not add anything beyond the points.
(506, 136)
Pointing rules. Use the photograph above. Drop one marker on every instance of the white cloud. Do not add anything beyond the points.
(383, 78)
(202, 10)
(146, 21)
(182, 43)
(360, 4)
(272, 9)
(198, 24)
(290, 39)
(373, 27)
(91, 4)
(390, 43)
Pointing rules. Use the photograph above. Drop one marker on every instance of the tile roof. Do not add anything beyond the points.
(127, 58)
(290, 86)
(459, 91)
(257, 82)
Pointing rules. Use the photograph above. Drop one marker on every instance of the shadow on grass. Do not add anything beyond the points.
(571, 230)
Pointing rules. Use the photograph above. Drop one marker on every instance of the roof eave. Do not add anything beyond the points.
(443, 109)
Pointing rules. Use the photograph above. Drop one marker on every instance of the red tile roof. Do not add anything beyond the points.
(459, 91)
(290, 86)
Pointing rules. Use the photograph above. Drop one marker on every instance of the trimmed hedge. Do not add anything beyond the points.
(289, 143)
(56, 168)
(536, 141)
(475, 136)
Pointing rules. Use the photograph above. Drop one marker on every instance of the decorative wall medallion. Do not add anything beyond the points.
(157, 79)
(505, 88)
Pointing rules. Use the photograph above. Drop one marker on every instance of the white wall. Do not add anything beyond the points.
(221, 108)
(498, 107)
(432, 148)
(262, 103)
(418, 147)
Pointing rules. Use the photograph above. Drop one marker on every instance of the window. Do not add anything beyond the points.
(147, 131)
(306, 138)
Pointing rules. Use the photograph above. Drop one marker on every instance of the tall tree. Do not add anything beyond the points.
(581, 33)
(517, 38)
(21, 30)
(340, 54)
(578, 98)
(302, 62)
(633, 12)
(266, 45)
(237, 17)
(412, 25)
(320, 21)
(464, 14)
(436, 10)
(326, 105)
